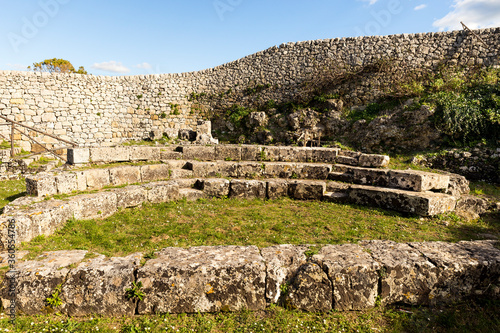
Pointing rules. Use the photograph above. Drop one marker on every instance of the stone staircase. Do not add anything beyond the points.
(192, 172)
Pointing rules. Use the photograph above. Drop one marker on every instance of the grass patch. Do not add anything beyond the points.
(116, 164)
(10, 190)
(241, 222)
(472, 316)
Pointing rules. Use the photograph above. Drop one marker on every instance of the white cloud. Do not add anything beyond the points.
(420, 7)
(144, 65)
(476, 14)
(18, 67)
(370, 2)
(111, 66)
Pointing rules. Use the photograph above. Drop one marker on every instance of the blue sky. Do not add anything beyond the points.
(110, 37)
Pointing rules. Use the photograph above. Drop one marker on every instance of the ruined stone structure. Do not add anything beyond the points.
(107, 110)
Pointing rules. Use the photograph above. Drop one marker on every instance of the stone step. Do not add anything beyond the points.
(412, 180)
(419, 203)
(336, 197)
(191, 194)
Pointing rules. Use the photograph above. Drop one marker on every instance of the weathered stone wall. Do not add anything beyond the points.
(106, 110)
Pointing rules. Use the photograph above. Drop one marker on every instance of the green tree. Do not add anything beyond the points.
(56, 66)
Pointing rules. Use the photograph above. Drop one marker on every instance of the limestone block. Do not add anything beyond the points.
(247, 189)
(280, 170)
(97, 178)
(367, 176)
(228, 169)
(40, 185)
(338, 187)
(205, 169)
(144, 153)
(336, 197)
(227, 153)
(310, 290)
(249, 170)
(38, 279)
(251, 153)
(19, 203)
(181, 173)
(215, 187)
(187, 182)
(110, 154)
(306, 190)
(458, 185)
(354, 274)
(191, 194)
(313, 171)
(374, 161)
(99, 285)
(49, 216)
(66, 183)
(277, 188)
(125, 175)
(471, 207)
(155, 172)
(270, 153)
(94, 206)
(130, 196)
(420, 203)
(203, 279)
(162, 191)
(170, 155)
(460, 272)
(406, 276)
(282, 263)
(202, 153)
(294, 154)
(25, 230)
(324, 155)
(81, 180)
(419, 181)
(346, 160)
(78, 155)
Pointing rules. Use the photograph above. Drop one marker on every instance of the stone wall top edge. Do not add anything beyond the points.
(285, 45)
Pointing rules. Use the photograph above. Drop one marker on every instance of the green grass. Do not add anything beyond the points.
(11, 190)
(256, 222)
(471, 316)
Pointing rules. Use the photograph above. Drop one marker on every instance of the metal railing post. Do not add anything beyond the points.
(12, 141)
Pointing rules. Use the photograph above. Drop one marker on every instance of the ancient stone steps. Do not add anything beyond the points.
(232, 278)
(412, 180)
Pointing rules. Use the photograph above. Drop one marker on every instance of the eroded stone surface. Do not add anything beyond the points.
(41, 185)
(99, 286)
(354, 274)
(203, 279)
(78, 155)
(247, 189)
(419, 181)
(125, 175)
(216, 187)
(162, 191)
(310, 290)
(96, 205)
(282, 263)
(97, 178)
(144, 154)
(373, 161)
(66, 183)
(306, 190)
(325, 155)
(227, 153)
(155, 172)
(130, 196)
(471, 207)
(203, 153)
(277, 188)
(109, 154)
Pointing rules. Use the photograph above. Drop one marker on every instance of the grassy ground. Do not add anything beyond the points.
(11, 190)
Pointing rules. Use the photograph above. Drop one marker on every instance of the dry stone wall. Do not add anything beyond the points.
(107, 110)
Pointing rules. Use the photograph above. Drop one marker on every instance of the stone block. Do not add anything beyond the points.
(227, 153)
(130, 196)
(125, 175)
(41, 185)
(202, 153)
(19, 203)
(144, 153)
(247, 189)
(25, 231)
(203, 279)
(99, 286)
(333, 186)
(95, 206)
(215, 187)
(97, 178)
(170, 155)
(406, 276)
(292, 154)
(346, 160)
(374, 161)
(81, 180)
(110, 154)
(162, 191)
(420, 203)
(419, 181)
(324, 155)
(458, 185)
(335, 197)
(227, 169)
(306, 190)
(313, 171)
(367, 176)
(251, 153)
(282, 264)
(191, 194)
(205, 169)
(49, 216)
(78, 155)
(471, 207)
(277, 188)
(249, 170)
(155, 172)
(309, 290)
(354, 274)
(280, 170)
(66, 183)
(181, 173)
(186, 183)
(270, 153)
(38, 279)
